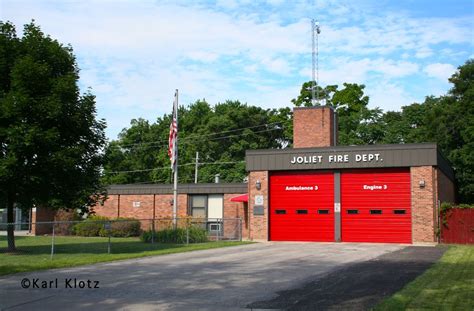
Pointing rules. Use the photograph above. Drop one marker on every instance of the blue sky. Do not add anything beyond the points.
(134, 54)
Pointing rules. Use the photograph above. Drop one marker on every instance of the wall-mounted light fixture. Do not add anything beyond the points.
(258, 184)
(422, 183)
(171, 202)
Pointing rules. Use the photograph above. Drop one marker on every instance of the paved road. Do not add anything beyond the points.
(226, 278)
(359, 285)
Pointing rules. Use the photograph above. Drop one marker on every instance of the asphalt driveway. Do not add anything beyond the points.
(216, 279)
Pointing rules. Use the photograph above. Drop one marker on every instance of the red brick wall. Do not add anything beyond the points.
(446, 188)
(258, 223)
(42, 214)
(313, 127)
(423, 203)
(122, 206)
(108, 208)
(234, 210)
(163, 207)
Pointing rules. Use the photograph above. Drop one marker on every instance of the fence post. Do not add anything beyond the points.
(187, 234)
(52, 244)
(240, 229)
(108, 233)
(153, 231)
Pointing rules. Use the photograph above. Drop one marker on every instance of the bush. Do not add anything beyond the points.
(176, 236)
(95, 226)
(63, 216)
(90, 227)
(124, 228)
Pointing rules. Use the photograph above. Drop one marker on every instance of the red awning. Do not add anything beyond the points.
(240, 198)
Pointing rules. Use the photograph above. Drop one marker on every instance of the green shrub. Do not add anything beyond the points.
(176, 236)
(123, 228)
(90, 227)
(65, 219)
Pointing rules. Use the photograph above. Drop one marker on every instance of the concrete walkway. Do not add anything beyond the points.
(226, 278)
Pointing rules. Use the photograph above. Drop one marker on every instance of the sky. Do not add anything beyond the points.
(134, 54)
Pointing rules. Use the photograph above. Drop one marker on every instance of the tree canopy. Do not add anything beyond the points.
(50, 138)
(220, 134)
(223, 132)
(447, 120)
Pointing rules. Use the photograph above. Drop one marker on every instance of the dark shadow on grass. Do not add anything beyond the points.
(118, 247)
(3, 238)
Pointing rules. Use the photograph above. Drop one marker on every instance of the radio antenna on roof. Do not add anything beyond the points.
(315, 31)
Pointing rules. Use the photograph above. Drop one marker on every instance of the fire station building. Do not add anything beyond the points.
(316, 191)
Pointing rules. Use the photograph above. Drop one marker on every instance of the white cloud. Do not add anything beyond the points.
(134, 54)
(390, 68)
(439, 71)
(228, 4)
(389, 96)
(277, 65)
(424, 52)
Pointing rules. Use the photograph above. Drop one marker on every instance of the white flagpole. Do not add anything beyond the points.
(175, 186)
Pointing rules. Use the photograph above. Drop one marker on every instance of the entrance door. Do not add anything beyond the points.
(301, 206)
(376, 205)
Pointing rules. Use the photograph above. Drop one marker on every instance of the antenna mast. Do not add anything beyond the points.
(315, 31)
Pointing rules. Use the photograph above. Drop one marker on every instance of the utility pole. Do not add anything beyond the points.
(196, 168)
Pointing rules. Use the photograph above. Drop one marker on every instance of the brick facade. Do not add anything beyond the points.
(258, 223)
(233, 210)
(42, 214)
(423, 204)
(313, 127)
(122, 206)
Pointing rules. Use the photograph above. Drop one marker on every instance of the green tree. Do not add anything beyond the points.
(447, 120)
(357, 124)
(50, 139)
(221, 134)
(451, 124)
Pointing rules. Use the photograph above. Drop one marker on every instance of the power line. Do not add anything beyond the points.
(205, 135)
(186, 140)
(168, 167)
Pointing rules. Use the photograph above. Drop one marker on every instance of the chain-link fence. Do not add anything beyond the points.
(104, 236)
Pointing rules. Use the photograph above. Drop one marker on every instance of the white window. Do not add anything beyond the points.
(206, 206)
(215, 206)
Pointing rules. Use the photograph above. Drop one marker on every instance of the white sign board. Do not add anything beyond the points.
(136, 204)
(337, 207)
(259, 200)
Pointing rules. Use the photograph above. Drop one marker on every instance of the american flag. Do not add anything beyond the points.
(173, 138)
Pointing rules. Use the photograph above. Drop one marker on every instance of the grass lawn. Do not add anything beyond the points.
(448, 285)
(34, 253)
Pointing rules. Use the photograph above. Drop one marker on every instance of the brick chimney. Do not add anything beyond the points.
(314, 127)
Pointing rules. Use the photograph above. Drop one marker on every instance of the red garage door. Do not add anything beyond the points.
(376, 206)
(301, 206)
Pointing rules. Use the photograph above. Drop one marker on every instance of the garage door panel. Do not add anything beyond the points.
(309, 226)
(382, 191)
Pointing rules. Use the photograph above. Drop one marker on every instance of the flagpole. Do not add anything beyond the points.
(175, 186)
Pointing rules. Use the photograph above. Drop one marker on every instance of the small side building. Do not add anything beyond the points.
(211, 202)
